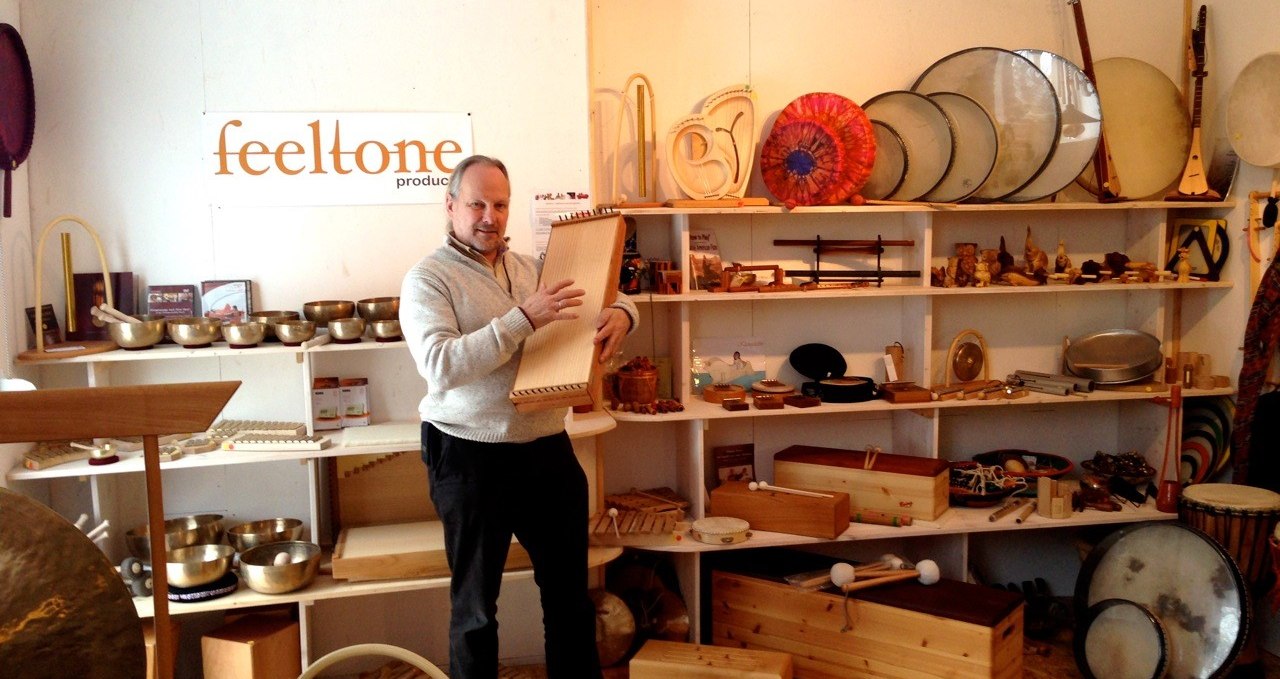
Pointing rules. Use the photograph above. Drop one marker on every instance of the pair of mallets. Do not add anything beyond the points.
(889, 568)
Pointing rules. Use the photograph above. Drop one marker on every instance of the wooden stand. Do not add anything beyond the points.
(115, 412)
(63, 349)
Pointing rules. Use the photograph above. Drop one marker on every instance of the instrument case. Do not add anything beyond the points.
(781, 512)
(949, 629)
(896, 484)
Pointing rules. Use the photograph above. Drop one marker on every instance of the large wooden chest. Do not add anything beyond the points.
(896, 484)
(949, 629)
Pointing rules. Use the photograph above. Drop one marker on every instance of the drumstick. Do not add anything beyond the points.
(1026, 512)
(927, 572)
(763, 485)
(613, 516)
(103, 316)
(117, 313)
(1006, 510)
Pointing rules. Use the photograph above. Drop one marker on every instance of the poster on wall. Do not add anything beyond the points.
(550, 205)
(310, 159)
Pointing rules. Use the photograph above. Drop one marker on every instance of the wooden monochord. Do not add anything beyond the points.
(560, 361)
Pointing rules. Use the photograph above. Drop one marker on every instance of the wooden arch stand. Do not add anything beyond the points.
(147, 411)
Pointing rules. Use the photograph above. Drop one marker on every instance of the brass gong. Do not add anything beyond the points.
(967, 359)
(64, 611)
(615, 627)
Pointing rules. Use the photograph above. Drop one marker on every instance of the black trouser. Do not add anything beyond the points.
(486, 492)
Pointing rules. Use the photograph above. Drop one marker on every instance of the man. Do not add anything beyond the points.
(466, 310)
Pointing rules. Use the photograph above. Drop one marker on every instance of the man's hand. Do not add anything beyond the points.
(550, 301)
(611, 327)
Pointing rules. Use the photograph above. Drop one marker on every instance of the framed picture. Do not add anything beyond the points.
(171, 301)
(90, 291)
(734, 463)
(227, 301)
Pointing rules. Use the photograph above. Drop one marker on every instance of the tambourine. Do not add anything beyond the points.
(720, 530)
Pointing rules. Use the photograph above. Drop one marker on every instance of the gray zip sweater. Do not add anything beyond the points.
(465, 330)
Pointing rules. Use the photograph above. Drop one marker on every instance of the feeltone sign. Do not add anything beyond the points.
(258, 159)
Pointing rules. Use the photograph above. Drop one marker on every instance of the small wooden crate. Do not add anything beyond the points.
(403, 550)
(896, 484)
(907, 630)
(782, 512)
(665, 659)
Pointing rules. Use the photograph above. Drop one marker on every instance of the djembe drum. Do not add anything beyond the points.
(1241, 519)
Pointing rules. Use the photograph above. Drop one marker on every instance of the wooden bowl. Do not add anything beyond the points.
(323, 311)
(1033, 465)
(137, 336)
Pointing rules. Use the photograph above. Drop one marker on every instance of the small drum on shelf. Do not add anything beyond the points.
(1122, 638)
(1240, 518)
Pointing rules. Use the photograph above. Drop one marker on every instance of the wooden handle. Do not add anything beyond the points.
(881, 580)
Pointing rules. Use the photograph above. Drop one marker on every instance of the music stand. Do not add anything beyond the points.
(147, 411)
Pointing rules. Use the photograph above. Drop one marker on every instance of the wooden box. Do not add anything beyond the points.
(819, 517)
(659, 659)
(896, 484)
(402, 550)
(949, 629)
(253, 647)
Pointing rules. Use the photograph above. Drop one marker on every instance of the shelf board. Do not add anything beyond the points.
(697, 409)
(954, 521)
(933, 207)
(220, 349)
(578, 426)
(899, 290)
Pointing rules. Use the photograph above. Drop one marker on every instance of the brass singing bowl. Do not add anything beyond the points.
(198, 564)
(246, 536)
(386, 329)
(259, 571)
(323, 311)
(194, 331)
(270, 318)
(184, 531)
(379, 308)
(294, 333)
(346, 329)
(143, 335)
(244, 334)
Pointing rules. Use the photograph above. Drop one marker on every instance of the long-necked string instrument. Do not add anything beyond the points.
(1194, 185)
(1108, 179)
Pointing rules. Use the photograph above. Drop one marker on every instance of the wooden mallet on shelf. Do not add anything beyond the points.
(764, 485)
(927, 572)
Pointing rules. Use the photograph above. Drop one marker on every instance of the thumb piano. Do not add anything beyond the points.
(560, 360)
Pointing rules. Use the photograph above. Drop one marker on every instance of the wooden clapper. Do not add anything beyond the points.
(560, 362)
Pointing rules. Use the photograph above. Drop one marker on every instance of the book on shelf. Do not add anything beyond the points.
(171, 301)
(735, 463)
(48, 325)
(705, 265)
(229, 301)
(90, 291)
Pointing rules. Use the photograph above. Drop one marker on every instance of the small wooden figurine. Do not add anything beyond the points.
(949, 279)
(1184, 265)
(1062, 263)
(1036, 258)
(982, 277)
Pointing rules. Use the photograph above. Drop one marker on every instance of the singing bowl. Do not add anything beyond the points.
(323, 311)
(143, 335)
(184, 531)
(198, 564)
(346, 329)
(379, 308)
(270, 318)
(246, 536)
(259, 571)
(194, 331)
(244, 334)
(386, 329)
(295, 332)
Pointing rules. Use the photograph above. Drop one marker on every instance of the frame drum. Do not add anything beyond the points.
(1146, 124)
(977, 146)
(926, 134)
(1022, 105)
(1185, 579)
(1240, 518)
(1081, 125)
(1252, 124)
(1121, 639)
(891, 163)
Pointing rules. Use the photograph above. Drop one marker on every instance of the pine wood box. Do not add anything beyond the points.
(782, 512)
(401, 550)
(897, 484)
(659, 659)
(948, 629)
(253, 647)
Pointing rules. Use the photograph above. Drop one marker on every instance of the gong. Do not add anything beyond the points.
(967, 359)
(615, 627)
(64, 611)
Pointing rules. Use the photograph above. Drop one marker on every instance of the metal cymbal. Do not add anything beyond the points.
(64, 611)
(615, 627)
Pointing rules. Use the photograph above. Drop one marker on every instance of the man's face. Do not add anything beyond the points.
(479, 213)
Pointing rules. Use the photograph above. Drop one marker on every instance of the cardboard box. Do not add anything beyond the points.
(819, 517)
(326, 405)
(353, 401)
(896, 484)
(253, 647)
(948, 629)
(659, 659)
